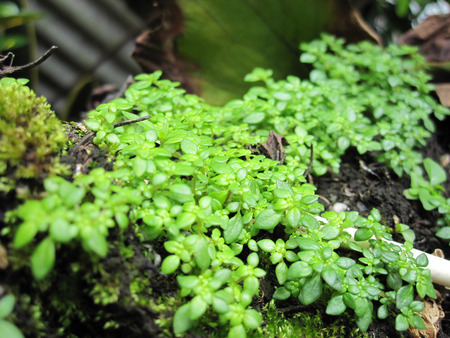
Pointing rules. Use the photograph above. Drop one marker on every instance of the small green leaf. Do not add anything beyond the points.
(267, 219)
(182, 320)
(202, 256)
(383, 312)
(61, 231)
(345, 262)
(181, 193)
(266, 245)
(96, 242)
(307, 244)
(237, 331)
(43, 258)
(310, 222)
(197, 307)
(311, 290)
(281, 293)
(170, 264)
(329, 275)
(363, 234)
(404, 296)
(293, 217)
(299, 270)
(139, 166)
(252, 319)
(444, 233)
(183, 169)
(394, 281)
(364, 321)
(92, 124)
(435, 172)
(7, 305)
(308, 58)
(281, 271)
(343, 143)
(232, 232)
(112, 138)
(330, 232)
(187, 282)
(254, 118)
(220, 305)
(336, 306)
(9, 330)
(25, 234)
(401, 322)
(189, 147)
(418, 322)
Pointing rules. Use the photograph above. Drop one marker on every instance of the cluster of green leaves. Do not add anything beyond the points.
(31, 135)
(83, 211)
(188, 177)
(430, 193)
(307, 264)
(358, 95)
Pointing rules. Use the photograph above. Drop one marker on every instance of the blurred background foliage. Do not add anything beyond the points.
(208, 46)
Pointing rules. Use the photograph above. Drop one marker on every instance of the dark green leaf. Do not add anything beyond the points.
(311, 290)
(363, 234)
(404, 296)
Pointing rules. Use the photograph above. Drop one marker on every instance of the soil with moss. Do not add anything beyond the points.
(94, 299)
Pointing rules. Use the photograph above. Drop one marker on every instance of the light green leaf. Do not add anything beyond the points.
(189, 147)
(25, 233)
(311, 291)
(43, 258)
(435, 172)
(182, 320)
(254, 118)
(6, 305)
(9, 330)
(232, 232)
(267, 219)
(336, 306)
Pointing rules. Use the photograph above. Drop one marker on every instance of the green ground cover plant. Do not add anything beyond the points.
(192, 178)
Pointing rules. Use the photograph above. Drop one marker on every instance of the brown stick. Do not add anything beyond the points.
(8, 70)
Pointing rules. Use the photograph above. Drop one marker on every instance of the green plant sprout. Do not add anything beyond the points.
(228, 216)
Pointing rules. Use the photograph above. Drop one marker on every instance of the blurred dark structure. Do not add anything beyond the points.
(95, 40)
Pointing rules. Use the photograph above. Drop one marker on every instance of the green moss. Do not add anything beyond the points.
(30, 135)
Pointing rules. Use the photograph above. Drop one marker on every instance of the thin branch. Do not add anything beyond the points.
(8, 70)
(87, 137)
